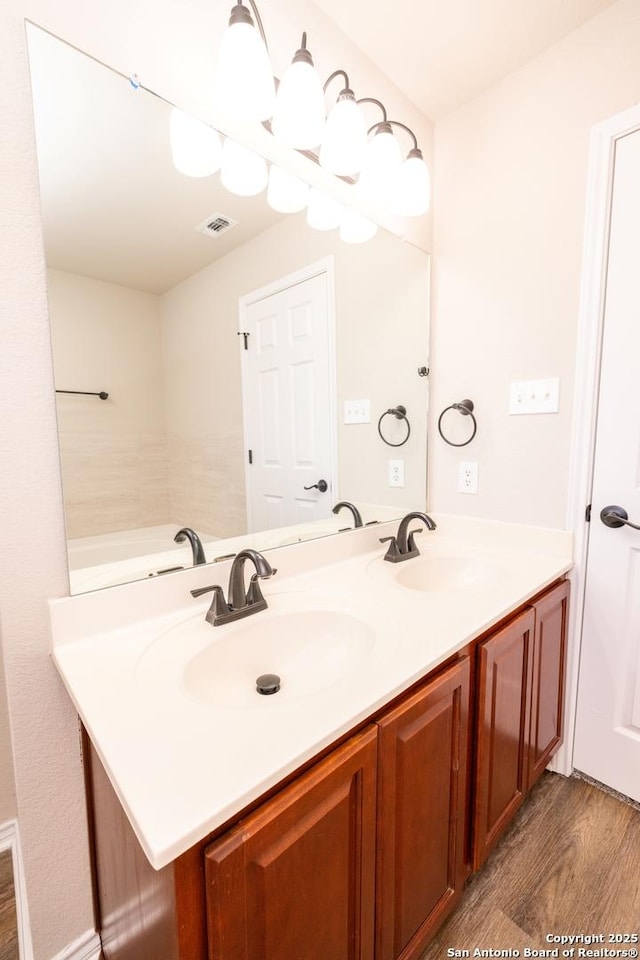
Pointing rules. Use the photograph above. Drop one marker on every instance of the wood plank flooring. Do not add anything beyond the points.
(8, 921)
(569, 864)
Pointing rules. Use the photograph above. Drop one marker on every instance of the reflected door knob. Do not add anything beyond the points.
(321, 485)
(614, 516)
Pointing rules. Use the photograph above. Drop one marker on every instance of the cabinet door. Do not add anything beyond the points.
(421, 812)
(547, 683)
(504, 670)
(296, 878)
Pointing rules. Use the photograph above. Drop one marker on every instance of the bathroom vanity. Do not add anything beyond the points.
(340, 817)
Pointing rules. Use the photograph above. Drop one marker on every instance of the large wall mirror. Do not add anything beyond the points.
(147, 307)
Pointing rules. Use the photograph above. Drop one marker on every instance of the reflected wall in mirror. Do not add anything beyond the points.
(146, 308)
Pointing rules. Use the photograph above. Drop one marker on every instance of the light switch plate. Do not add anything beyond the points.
(357, 411)
(534, 396)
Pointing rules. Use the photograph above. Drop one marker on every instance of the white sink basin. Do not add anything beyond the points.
(312, 645)
(437, 573)
(431, 573)
(307, 653)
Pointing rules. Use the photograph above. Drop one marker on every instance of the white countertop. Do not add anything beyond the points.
(182, 764)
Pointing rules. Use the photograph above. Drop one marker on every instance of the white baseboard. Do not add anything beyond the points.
(10, 840)
(86, 947)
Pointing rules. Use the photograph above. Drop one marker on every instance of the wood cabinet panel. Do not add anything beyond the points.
(296, 878)
(547, 682)
(504, 671)
(421, 812)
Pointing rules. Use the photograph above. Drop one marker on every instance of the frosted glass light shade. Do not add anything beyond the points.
(286, 193)
(412, 192)
(345, 137)
(380, 166)
(195, 148)
(356, 228)
(298, 117)
(244, 86)
(243, 171)
(323, 212)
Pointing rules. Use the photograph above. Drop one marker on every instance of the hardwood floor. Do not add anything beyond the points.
(8, 922)
(569, 864)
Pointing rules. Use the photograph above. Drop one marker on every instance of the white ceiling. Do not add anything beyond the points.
(442, 53)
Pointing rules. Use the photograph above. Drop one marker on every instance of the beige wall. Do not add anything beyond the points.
(113, 452)
(510, 187)
(48, 772)
(170, 46)
(381, 294)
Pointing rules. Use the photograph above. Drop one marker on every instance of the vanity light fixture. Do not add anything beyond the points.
(195, 147)
(381, 164)
(244, 84)
(286, 193)
(323, 212)
(355, 228)
(411, 194)
(243, 171)
(345, 137)
(245, 89)
(298, 117)
(382, 159)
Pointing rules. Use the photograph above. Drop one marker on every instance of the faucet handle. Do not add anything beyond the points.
(254, 593)
(219, 608)
(393, 554)
(411, 542)
(202, 590)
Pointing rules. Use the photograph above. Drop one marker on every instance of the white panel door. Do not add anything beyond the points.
(288, 405)
(607, 739)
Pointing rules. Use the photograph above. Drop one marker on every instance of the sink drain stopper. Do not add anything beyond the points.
(268, 683)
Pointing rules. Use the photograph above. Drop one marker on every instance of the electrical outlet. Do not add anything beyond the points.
(396, 473)
(468, 477)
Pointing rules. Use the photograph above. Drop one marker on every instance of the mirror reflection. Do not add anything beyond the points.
(247, 358)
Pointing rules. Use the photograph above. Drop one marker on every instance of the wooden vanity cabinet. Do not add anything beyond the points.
(296, 878)
(340, 867)
(503, 682)
(547, 678)
(363, 854)
(422, 805)
(520, 684)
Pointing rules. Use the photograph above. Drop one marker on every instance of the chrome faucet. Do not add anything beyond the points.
(357, 518)
(241, 602)
(403, 545)
(186, 533)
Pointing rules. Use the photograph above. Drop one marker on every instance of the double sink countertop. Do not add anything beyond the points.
(170, 702)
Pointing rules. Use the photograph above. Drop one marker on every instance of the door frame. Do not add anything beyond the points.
(324, 266)
(595, 258)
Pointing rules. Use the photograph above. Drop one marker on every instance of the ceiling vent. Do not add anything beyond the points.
(216, 225)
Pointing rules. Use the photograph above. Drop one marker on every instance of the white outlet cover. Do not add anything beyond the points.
(468, 476)
(396, 473)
